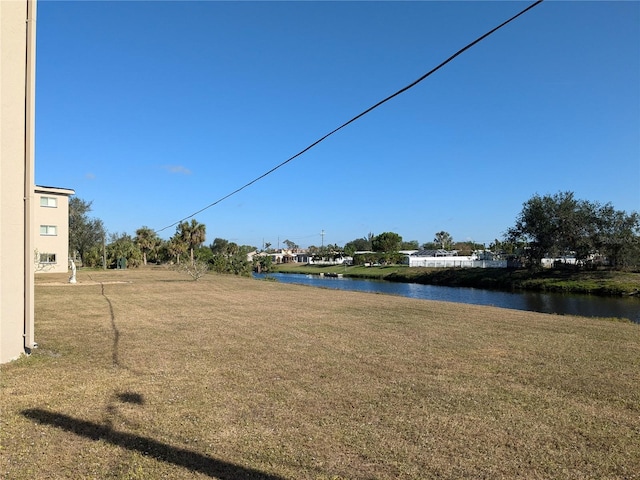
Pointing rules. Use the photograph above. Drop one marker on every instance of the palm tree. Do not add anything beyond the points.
(193, 234)
(176, 247)
(147, 240)
(444, 239)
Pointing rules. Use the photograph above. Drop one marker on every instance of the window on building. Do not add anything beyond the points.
(48, 202)
(47, 258)
(48, 230)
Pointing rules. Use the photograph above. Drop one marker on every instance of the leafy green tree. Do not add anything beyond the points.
(232, 249)
(193, 234)
(203, 254)
(387, 245)
(122, 245)
(93, 257)
(538, 225)
(219, 245)
(238, 263)
(410, 245)
(560, 224)
(430, 246)
(349, 250)
(291, 245)
(358, 245)
(618, 236)
(147, 240)
(555, 225)
(84, 232)
(386, 242)
(262, 263)
(161, 253)
(229, 257)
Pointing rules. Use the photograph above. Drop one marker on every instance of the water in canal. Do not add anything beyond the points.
(583, 305)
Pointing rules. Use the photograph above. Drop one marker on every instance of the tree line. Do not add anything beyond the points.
(549, 226)
(553, 226)
(90, 244)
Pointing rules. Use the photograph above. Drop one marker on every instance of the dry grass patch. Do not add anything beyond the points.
(146, 374)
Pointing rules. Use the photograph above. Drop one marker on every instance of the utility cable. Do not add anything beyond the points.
(362, 114)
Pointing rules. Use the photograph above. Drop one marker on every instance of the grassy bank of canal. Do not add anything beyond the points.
(597, 282)
(144, 373)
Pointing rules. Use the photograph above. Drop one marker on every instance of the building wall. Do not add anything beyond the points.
(51, 229)
(17, 63)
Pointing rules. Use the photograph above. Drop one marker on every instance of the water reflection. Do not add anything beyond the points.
(583, 305)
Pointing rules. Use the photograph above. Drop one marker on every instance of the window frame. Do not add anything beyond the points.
(45, 201)
(50, 259)
(45, 230)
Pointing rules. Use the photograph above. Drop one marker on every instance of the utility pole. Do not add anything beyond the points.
(322, 235)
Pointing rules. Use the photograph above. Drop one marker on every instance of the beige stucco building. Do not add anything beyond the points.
(51, 223)
(17, 113)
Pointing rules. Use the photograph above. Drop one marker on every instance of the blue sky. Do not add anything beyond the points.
(154, 110)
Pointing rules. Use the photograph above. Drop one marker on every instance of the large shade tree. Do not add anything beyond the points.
(560, 224)
(85, 233)
(359, 245)
(387, 245)
(386, 242)
(618, 236)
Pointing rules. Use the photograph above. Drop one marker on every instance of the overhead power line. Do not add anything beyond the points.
(362, 114)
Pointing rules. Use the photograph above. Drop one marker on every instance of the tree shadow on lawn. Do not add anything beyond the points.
(189, 459)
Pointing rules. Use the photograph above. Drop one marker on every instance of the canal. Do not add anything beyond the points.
(583, 305)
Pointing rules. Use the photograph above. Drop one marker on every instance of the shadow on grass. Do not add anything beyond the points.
(189, 459)
(131, 397)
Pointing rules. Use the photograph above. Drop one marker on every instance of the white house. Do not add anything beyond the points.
(446, 259)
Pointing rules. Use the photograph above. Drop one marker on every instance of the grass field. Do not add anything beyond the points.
(145, 374)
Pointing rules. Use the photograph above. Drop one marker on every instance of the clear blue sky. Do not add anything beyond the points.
(153, 110)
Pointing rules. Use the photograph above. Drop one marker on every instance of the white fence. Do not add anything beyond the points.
(449, 262)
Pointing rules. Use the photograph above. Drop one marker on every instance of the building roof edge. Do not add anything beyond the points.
(58, 190)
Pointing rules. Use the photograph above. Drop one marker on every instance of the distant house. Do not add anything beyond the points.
(281, 256)
(277, 256)
(303, 257)
(569, 259)
(448, 259)
(51, 229)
